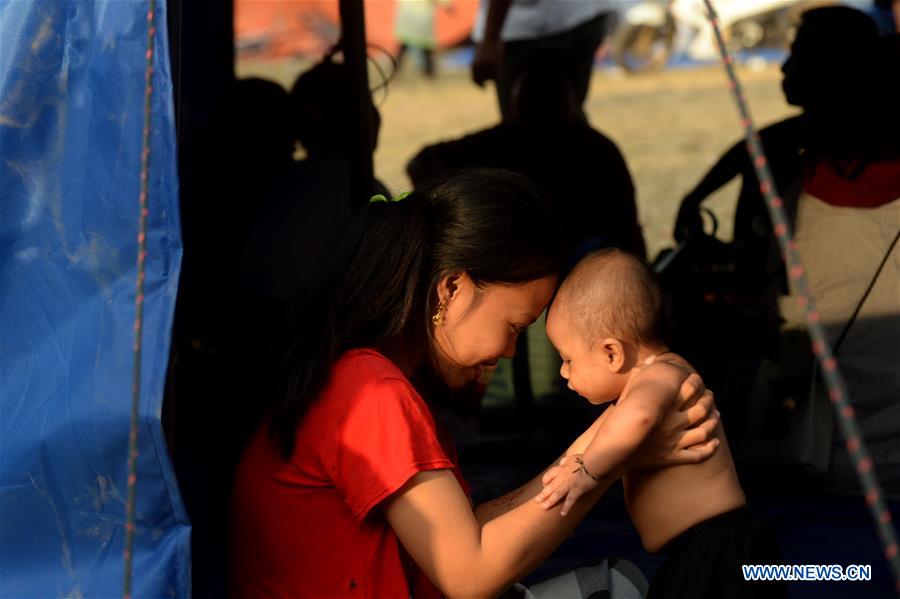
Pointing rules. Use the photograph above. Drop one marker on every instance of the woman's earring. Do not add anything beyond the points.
(438, 318)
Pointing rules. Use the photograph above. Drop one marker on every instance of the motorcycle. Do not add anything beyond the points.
(652, 32)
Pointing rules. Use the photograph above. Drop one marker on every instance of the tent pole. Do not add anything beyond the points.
(353, 39)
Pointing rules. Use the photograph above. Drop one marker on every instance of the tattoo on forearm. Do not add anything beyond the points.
(508, 502)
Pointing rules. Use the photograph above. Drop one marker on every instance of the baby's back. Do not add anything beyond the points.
(665, 502)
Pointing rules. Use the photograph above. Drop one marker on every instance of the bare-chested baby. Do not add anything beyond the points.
(607, 322)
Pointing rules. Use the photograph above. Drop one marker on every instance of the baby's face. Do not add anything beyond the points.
(587, 371)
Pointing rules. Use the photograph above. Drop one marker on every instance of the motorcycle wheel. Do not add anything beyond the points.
(641, 48)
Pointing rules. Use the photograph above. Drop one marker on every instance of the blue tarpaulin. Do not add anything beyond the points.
(71, 111)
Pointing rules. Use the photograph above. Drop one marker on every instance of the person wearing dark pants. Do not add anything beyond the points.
(510, 33)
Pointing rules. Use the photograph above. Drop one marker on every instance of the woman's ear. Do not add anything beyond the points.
(614, 354)
(452, 285)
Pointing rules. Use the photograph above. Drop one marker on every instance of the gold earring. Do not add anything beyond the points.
(438, 318)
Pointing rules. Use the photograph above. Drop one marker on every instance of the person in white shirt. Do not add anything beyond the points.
(509, 32)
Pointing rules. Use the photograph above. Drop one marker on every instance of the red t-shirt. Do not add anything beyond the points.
(312, 526)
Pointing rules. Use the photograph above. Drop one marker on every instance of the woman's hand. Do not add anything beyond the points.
(685, 436)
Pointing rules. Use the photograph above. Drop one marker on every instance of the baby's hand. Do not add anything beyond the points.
(569, 480)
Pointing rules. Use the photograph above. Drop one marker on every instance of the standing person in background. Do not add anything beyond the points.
(414, 28)
(508, 32)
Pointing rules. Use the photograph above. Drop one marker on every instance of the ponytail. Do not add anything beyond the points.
(378, 283)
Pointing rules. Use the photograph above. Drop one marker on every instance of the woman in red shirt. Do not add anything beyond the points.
(347, 489)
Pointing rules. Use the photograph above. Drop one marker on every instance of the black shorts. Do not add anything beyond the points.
(704, 562)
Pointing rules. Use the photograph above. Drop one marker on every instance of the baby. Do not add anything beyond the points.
(608, 324)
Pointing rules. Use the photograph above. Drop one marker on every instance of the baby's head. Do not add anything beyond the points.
(605, 320)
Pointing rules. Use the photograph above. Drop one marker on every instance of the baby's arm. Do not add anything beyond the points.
(627, 425)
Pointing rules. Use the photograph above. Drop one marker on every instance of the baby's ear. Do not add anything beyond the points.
(614, 354)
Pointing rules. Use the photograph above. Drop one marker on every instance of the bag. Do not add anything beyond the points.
(795, 385)
(721, 302)
(790, 420)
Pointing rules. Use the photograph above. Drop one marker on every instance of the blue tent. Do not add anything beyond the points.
(71, 112)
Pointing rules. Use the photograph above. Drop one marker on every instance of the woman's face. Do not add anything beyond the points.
(481, 325)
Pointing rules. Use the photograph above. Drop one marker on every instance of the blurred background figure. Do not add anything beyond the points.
(304, 207)
(251, 146)
(507, 33)
(832, 58)
(415, 29)
(837, 171)
(847, 230)
(258, 147)
(546, 138)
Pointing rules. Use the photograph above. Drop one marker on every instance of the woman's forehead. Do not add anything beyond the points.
(529, 299)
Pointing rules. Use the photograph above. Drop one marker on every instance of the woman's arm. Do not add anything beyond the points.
(491, 509)
(724, 170)
(432, 518)
(479, 556)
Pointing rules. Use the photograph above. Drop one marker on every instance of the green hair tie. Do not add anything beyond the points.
(380, 198)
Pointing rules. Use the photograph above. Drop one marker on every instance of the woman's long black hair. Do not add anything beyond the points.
(378, 283)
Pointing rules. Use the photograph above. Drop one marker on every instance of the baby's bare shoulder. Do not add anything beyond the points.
(674, 359)
(670, 372)
(657, 383)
